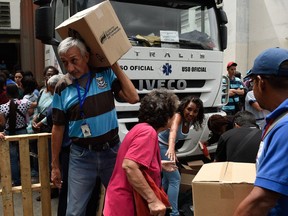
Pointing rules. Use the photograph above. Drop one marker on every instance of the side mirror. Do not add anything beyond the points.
(223, 17)
(223, 28)
(223, 33)
(44, 28)
(42, 2)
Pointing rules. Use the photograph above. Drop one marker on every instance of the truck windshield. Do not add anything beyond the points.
(173, 24)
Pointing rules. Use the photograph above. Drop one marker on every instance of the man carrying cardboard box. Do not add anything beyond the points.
(270, 193)
(85, 99)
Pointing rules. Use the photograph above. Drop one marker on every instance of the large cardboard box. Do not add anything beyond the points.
(102, 32)
(218, 188)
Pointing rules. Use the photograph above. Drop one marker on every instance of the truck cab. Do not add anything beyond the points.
(176, 45)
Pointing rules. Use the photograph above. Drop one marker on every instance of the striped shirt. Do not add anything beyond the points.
(98, 106)
(235, 83)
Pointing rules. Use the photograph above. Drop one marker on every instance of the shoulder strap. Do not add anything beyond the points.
(40, 94)
(274, 123)
(250, 135)
(246, 139)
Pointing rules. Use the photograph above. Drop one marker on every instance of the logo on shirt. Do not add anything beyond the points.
(101, 82)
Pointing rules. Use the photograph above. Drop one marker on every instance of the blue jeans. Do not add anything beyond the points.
(170, 183)
(85, 166)
(93, 203)
(14, 158)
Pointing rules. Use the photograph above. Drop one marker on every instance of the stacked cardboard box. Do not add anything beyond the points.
(218, 188)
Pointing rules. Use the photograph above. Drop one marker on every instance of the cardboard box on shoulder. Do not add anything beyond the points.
(102, 32)
(218, 188)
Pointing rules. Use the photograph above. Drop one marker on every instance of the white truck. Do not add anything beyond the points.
(177, 44)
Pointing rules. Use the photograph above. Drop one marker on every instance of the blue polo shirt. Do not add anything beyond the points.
(272, 160)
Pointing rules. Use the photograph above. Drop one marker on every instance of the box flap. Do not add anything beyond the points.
(227, 172)
(195, 163)
(81, 14)
(240, 173)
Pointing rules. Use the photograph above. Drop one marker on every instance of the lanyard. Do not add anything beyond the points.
(272, 123)
(82, 99)
(266, 128)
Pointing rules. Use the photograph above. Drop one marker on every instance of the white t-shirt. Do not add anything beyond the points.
(259, 115)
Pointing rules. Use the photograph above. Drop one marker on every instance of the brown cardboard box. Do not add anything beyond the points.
(218, 188)
(188, 173)
(102, 32)
(195, 165)
(186, 179)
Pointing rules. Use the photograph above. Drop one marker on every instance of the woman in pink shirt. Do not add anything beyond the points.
(139, 152)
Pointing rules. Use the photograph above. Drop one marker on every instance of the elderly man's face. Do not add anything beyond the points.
(75, 64)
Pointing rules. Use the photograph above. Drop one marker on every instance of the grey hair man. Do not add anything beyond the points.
(85, 99)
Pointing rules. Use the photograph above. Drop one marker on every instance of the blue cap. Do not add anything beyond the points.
(268, 63)
(248, 74)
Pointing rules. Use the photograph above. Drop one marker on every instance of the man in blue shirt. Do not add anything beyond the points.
(270, 193)
(84, 99)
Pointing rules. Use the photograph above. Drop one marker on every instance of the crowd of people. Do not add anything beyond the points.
(19, 95)
(241, 96)
(141, 174)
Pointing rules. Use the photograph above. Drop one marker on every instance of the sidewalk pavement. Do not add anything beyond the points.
(18, 207)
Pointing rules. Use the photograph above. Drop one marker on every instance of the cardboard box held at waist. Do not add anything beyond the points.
(102, 32)
(218, 188)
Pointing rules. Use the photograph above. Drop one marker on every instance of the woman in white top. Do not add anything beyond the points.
(190, 113)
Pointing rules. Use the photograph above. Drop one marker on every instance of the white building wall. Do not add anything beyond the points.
(238, 33)
(253, 26)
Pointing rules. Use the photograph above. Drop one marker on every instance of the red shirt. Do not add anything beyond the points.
(141, 146)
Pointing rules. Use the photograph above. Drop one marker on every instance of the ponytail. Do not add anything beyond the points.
(12, 117)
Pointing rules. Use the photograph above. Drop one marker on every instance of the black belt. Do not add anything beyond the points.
(98, 147)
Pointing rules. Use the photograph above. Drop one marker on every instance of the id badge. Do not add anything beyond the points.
(86, 130)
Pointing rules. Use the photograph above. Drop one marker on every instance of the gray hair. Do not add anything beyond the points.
(157, 107)
(69, 42)
(54, 79)
(245, 119)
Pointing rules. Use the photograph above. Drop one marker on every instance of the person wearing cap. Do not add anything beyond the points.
(253, 106)
(270, 193)
(236, 89)
(248, 81)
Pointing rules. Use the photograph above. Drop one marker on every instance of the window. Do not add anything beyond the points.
(5, 20)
